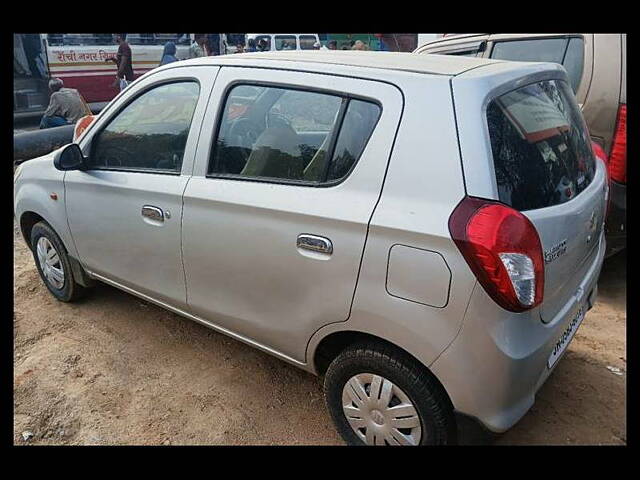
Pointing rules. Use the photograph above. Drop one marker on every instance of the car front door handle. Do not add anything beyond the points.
(314, 243)
(153, 213)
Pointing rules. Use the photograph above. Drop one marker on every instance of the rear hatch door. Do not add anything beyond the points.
(545, 168)
(524, 142)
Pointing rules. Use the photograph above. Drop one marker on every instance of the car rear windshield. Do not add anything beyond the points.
(541, 147)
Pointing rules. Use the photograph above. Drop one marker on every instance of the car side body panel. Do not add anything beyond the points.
(39, 179)
(137, 252)
(243, 269)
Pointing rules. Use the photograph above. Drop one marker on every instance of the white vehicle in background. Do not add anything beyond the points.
(285, 41)
(427, 37)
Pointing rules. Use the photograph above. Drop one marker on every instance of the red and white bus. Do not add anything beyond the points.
(80, 60)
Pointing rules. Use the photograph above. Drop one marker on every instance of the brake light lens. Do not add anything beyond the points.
(598, 151)
(503, 249)
(618, 155)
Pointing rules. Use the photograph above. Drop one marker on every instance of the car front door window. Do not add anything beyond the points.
(150, 133)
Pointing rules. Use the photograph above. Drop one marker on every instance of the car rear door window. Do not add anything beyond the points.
(150, 133)
(543, 50)
(574, 61)
(290, 135)
(359, 122)
(568, 52)
(541, 147)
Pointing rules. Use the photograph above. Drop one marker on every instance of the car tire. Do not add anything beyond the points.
(67, 289)
(410, 384)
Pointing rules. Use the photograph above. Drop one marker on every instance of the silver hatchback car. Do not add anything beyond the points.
(423, 231)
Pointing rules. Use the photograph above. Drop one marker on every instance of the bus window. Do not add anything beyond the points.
(285, 42)
(266, 38)
(307, 42)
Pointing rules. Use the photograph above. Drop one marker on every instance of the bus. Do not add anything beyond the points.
(80, 60)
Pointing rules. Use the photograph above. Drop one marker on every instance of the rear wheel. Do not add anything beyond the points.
(379, 395)
(53, 263)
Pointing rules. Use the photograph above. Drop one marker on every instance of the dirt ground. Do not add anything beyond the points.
(115, 370)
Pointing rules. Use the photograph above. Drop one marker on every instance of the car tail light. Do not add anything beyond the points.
(618, 154)
(598, 151)
(503, 249)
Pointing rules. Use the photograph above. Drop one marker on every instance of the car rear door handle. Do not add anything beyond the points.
(314, 243)
(153, 213)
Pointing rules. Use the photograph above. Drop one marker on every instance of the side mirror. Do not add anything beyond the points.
(69, 157)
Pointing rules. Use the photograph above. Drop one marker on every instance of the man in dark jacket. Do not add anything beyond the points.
(124, 62)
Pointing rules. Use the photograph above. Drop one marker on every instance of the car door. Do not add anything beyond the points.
(273, 232)
(124, 211)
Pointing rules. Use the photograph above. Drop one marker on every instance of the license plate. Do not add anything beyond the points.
(566, 337)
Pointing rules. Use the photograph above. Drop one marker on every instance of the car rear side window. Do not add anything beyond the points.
(574, 61)
(150, 133)
(359, 122)
(291, 136)
(568, 52)
(541, 147)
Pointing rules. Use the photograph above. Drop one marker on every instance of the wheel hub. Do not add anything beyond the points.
(50, 263)
(379, 412)
(377, 417)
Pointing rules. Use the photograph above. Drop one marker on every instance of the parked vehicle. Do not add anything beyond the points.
(341, 212)
(80, 60)
(285, 41)
(597, 69)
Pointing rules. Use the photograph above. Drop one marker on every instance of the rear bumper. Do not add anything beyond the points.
(497, 363)
(616, 228)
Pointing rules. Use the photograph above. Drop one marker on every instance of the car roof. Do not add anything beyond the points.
(428, 64)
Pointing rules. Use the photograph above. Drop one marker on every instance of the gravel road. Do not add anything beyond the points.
(113, 369)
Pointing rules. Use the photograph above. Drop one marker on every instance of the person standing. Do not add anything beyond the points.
(33, 51)
(197, 47)
(168, 54)
(214, 44)
(333, 45)
(66, 106)
(124, 62)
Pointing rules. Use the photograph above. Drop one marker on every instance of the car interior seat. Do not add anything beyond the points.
(276, 154)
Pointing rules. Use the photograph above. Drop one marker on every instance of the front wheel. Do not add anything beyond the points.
(53, 263)
(379, 395)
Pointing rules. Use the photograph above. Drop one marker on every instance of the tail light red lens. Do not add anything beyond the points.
(503, 249)
(618, 155)
(598, 151)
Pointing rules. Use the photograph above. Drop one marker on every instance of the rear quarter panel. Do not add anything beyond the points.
(423, 185)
